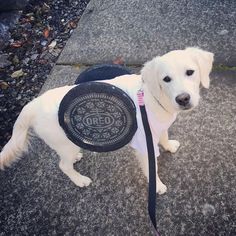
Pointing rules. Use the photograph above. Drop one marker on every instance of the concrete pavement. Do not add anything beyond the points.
(137, 30)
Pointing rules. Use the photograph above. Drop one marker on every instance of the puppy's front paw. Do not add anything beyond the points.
(172, 146)
(82, 181)
(161, 188)
(78, 157)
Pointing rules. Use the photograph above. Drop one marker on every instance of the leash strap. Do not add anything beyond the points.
(151, 162)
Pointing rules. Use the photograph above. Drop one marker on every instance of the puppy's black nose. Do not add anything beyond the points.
(183, 99)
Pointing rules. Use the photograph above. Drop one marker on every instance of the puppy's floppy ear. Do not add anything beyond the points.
(204, 60)
(149, 75)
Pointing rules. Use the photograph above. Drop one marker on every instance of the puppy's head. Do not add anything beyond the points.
(174, 78)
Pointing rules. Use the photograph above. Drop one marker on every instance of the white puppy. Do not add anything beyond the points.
(170, 84)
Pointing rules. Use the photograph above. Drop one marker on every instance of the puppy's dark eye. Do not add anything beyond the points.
(167, 79)
(189, 72)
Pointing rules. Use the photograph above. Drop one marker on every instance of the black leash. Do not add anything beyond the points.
(105, 72)
(151, 163)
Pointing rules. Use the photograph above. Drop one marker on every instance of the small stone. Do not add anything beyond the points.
(208, 209)
(28, 26)
(30, 14)
(8, 79)
(44, 43)
(34, 78)
(43, 54)
(3, 61)
(55, 52)
(34, 57)
(223, 32)
(4, 35)
(19, 97)
(26, 60)
(15, 60)
(52, 44)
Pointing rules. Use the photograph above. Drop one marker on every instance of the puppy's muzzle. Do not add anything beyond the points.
(184, 101)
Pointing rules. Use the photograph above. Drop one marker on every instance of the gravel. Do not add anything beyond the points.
(29, 52)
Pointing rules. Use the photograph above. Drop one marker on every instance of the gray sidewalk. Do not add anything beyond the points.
(137, 30)
(38, 199)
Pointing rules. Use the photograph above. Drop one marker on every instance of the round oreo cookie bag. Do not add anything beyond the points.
(98, 116)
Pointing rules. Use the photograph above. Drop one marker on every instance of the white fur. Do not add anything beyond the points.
(42, 113)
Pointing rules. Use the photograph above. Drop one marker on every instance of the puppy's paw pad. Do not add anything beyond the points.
(161, 188)
(83, 181)
(173, 146)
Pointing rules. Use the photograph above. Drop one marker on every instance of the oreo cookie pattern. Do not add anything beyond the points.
(98, 116)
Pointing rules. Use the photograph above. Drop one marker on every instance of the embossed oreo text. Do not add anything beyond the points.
(98, 120)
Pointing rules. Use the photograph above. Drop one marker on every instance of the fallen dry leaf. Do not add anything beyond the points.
(16, 44)
(4, 85)
(72, 24)
(46, 32)
(17, 74)
(118, 61)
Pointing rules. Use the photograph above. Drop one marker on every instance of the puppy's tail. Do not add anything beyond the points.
(19, 140)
